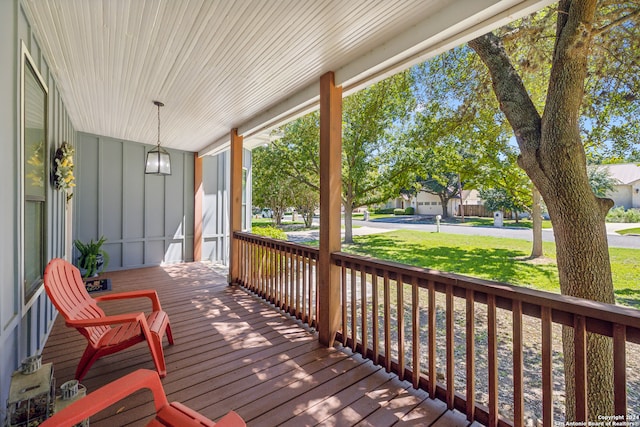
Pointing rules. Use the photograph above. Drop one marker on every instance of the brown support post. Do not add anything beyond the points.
(235, 208)
(330, 201)
(198, 195)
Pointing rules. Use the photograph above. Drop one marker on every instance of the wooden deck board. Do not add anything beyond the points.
(234, 351)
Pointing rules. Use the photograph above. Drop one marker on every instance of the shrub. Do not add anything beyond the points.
(271, 232)
(384, 211)
(619, 214)
(406, 211)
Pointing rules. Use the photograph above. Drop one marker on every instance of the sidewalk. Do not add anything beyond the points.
(314, 235)
(612, 227)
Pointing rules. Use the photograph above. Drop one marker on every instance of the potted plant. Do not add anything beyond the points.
(93, 259)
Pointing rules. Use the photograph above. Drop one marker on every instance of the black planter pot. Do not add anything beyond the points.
(94, 269)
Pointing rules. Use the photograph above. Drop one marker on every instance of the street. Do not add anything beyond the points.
(400, 223)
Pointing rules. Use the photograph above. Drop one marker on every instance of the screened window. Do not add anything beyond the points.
(34, 132)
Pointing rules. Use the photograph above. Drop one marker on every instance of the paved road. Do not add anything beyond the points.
(615, 240)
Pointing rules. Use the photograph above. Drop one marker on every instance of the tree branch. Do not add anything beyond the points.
(509, 89)
(615, 23)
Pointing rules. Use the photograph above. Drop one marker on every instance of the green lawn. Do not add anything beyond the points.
(470, 221)
(475, 221)
(491, 258)
(629, 231)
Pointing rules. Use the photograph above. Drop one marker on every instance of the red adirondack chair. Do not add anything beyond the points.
(167, 414)
(105, 334)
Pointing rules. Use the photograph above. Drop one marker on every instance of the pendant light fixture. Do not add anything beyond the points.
(158, 160)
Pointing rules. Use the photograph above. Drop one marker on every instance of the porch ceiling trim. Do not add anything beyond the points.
(418, 43)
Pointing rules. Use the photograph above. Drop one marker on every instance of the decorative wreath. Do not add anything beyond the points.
(63, 167)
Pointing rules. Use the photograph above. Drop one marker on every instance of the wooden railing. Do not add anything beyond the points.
(474, 337)
(280, 272)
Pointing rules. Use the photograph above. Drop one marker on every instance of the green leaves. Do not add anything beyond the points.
(90, 254)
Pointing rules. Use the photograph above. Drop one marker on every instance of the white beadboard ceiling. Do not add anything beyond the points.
(246, 64)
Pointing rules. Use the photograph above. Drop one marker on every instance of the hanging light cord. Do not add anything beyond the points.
(158, 124)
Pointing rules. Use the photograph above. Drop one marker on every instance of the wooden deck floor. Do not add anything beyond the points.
(233, 351)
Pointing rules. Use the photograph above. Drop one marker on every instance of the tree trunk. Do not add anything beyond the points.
(536, 219)
(461, 200)
(445, 210)
(348, 225)
(308, 218)
(553, 156)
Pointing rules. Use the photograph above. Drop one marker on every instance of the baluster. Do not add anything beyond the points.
(298, 283)
(580, 369)
(269, 249)
(305, 286)
(363, 311)
(345, 326)
(518, 390)
(283, 278)
(387, 321)
(354, 309)
(547, 373)
(374, 317)
(620, 369)
(415, 327)
(316, 281)
(471, 354)
(289, 279)
(254, 268)
(432, 339)
(450, 347)
(492, 355)
(400, 315)
(278, 274)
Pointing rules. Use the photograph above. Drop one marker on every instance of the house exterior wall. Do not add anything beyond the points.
(216, 181)
(626, 195)
(635, 194)
(428, 204)
(622, 195)
(24, 325)
(146, 219)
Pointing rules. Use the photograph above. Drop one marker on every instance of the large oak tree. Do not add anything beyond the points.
(553, 155)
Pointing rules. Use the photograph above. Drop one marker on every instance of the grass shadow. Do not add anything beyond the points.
(628, 297)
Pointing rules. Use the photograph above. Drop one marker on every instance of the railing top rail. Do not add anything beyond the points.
(276, 244)
(576, 306)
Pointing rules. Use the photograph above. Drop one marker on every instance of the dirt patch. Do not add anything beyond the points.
(536, 260)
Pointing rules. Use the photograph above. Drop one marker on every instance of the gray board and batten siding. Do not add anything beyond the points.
(25, 321)
(146, 219)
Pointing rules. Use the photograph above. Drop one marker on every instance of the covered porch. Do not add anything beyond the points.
(305, 336)
(412, 345)
(236, 351)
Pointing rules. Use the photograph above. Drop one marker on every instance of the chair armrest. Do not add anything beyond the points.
(108, 395)
(232, 419)
(107, 320)
(146, 293)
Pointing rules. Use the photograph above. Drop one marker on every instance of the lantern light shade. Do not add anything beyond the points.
(158, 162)
(158, 159)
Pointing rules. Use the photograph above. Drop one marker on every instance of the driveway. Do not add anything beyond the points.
(413, 223)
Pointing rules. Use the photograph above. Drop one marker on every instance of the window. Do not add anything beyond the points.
(244, 199)
(35, 178)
